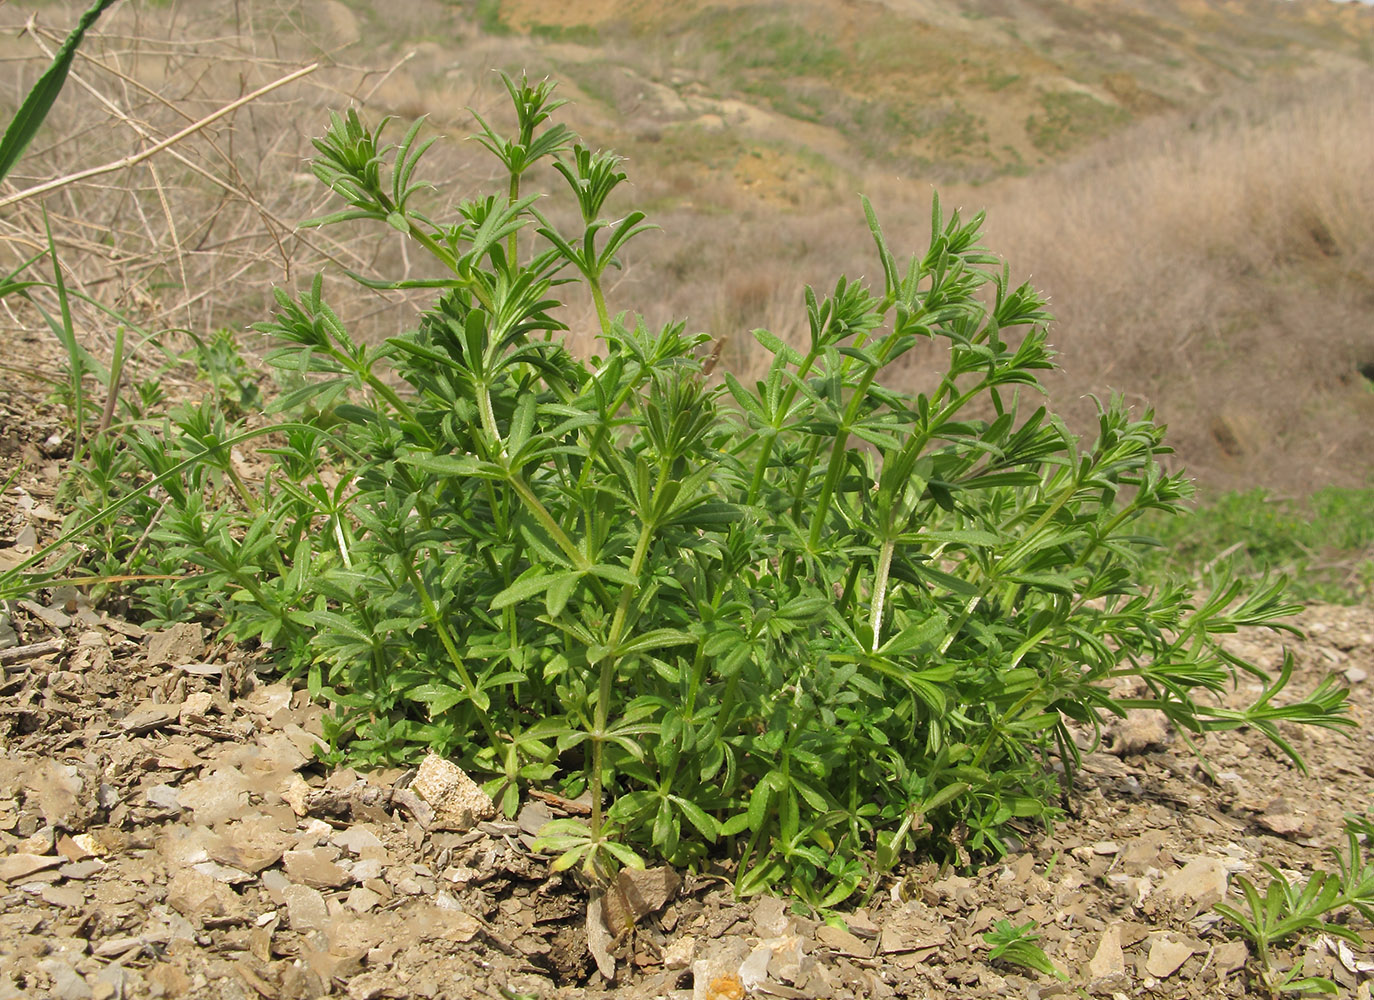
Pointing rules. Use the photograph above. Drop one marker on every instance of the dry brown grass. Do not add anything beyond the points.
(1217, 266)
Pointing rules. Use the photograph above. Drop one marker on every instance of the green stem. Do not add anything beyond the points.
(511, 242)
(880, 589)
(609, 664)
(240, 486)
(487, 415)
(450, 647)
(560, 537)
(599, 299)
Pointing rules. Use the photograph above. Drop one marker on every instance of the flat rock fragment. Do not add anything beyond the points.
(1167, 954)
(647, 890)
(600, 939)
(1107, 967)
(16, 866)
(220, 797)
(840, 940)
(1203, 880)
(177, 644)
(147, 717)
(197, 896)
(316, 868)
(58, 790)
(305, 908)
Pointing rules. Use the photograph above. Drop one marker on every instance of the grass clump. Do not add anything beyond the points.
(800, 627)
(1067, 119)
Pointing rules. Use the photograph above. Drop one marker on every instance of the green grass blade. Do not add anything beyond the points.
(27, 120)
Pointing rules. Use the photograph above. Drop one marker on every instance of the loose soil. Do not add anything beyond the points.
(166, 831)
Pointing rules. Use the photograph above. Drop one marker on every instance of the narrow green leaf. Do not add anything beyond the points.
(29, 118)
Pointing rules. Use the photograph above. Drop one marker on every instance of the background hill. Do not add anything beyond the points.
(1191, 182)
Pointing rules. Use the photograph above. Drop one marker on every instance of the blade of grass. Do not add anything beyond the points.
(27, 120)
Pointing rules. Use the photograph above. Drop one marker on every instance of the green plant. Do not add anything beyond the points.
(220, 364)
(1016, 945)
(809, 624)
(1287, 909)
(1068, 118)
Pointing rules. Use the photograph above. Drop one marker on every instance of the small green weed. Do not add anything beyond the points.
(1287, 909)
(221, 366)
(1016, 945)
(806, 625)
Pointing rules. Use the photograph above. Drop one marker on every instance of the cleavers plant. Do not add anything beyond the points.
(802, 626)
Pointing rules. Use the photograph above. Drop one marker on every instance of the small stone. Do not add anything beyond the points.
(372, 985)
(1285, 822)
(532, 817)
(368, 868)
(1108, 964)
(67, 983)
(305, 908)
(73, 849)
(356, 839)
(1356, 675)
(16, 866)
(296, 794)
(181, 643)
(197, 896)
(1229, 957)
(195, 709)
(1106, 848)
(222, 873)
(360, 899)
(162, 800)
(770, 917)
(147, 717)
(82, 869)
(841, 940)
(315, 868)
(753, 971)
(679, 953)
(458, 803)
(646, 890)
(218, 798)
(40, 843)
(1166, 955)
(1202, 880)
(96, 845)
(861, 925)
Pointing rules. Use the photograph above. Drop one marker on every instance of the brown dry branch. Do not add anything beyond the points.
(136, 158)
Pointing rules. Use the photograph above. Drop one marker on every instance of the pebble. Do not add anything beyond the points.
(305, 908)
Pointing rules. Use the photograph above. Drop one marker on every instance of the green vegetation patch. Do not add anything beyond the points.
(1069, 118)
(1324, 543)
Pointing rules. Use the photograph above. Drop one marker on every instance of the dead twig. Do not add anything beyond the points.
(18, 654)
(137, 158)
